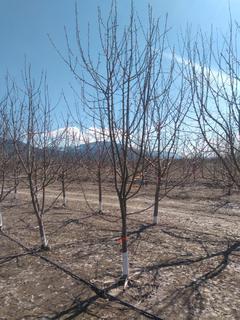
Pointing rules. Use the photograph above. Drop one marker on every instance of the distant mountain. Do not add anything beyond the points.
(9, 147)
(72, 137)
(89, 143)
(164, 155)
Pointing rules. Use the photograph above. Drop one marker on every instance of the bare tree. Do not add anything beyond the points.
(214, 79)
(167, 114)
(118, 89)
(30, 125)
(96, 158)
(8, 162)
(67, 158)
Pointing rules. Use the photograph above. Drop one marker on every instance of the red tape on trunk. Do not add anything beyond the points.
(121, 240)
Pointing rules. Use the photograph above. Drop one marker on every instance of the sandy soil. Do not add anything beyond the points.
(187, 267)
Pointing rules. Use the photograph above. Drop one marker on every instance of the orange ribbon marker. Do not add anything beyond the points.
(121, 240)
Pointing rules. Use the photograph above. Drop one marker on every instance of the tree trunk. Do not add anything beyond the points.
(63, 190)
(44, 241)
(15, 193)
(16, 179)
(99, 191)
(125, 263)
(156, 203)
(1, 221)
(15, 187)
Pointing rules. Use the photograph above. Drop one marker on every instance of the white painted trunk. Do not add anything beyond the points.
(42, 233)
(64, 201)
(44, 239)
(15, 195)
(125, 264)
(155, 219)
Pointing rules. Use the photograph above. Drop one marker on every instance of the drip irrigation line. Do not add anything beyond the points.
(102, 293)
(6, 259)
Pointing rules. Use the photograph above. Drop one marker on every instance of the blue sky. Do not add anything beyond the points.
(24, 25)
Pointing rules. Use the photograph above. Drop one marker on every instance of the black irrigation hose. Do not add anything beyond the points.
(6, 259)
(100, 292)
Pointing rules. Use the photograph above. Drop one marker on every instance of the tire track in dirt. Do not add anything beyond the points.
(91, 201)
(178, 212)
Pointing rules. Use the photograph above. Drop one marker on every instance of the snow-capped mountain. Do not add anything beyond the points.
(74, 137)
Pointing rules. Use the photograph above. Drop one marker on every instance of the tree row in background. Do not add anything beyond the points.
(145, 117)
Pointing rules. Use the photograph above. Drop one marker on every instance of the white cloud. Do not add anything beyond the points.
(217, 77)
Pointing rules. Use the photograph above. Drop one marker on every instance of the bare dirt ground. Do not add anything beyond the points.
(187, 267)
